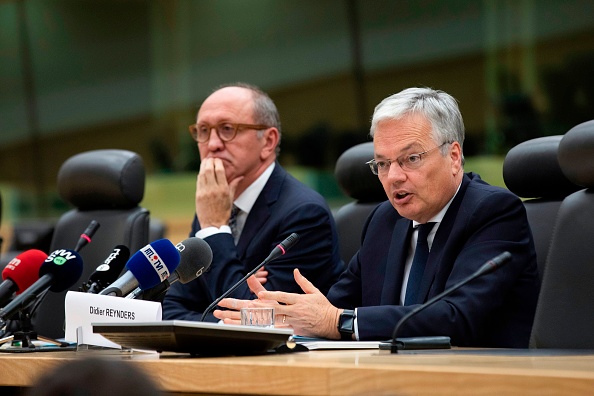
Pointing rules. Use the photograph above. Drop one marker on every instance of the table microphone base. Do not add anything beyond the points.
(413, 343)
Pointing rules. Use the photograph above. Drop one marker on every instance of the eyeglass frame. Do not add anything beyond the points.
(374, 168)
(193, 129)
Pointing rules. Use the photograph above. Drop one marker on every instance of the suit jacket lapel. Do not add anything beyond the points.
(395, 262)
(439, 241)
(260, 212)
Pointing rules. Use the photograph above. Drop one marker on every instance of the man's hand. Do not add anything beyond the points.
(233, 316)
(309, 314)
(214, 196)
(261, 275)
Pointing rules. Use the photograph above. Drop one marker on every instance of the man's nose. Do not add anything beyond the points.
(395, 172)
(214, 141)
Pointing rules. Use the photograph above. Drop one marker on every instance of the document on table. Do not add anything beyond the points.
(323, 343)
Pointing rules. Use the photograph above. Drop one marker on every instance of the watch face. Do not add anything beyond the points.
(346, 324)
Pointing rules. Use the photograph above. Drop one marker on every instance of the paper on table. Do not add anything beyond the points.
(323, 343)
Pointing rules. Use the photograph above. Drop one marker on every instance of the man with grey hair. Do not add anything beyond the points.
(246, 204)
(438, 226)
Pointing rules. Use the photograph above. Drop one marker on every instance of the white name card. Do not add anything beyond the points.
(82, 309)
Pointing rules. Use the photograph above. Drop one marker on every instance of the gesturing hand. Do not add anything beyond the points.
(262, 275)
(233, 316)
(309, 314)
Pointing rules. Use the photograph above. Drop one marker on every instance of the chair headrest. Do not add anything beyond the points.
(531, 170)
(354, 177)
(102, 179)
(576, 154)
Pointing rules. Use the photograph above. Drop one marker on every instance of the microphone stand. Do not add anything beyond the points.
(441, 341)
(25, 336)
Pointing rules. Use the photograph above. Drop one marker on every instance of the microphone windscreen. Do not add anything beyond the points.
(23, 270)
(196, 256)
(153, 263)
(108, 271)
(65, 265)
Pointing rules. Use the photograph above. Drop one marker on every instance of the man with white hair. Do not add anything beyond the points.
(438, 227)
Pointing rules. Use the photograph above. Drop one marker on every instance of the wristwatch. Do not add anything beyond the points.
(346, 325)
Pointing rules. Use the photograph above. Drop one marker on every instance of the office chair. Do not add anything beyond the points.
(531, 170)
(102, 185)
(157, 229)
(564, 314)
(357, 182)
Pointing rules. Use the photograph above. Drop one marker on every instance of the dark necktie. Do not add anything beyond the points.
(418, 265)
(233, 221)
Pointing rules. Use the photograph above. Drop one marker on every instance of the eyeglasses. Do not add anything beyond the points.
(225, 130)
(407, 162)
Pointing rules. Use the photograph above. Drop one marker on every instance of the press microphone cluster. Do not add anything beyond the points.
(490, 266)
(60, 270)
(195, 259)
(278, 251)
(146, 268)
(33, 273)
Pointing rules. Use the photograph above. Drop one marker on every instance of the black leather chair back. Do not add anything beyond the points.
(357, 182)
(564, 315)
(531, 170)
(102, 185)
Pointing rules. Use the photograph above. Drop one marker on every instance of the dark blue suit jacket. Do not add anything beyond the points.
(495, 310)
(284, 206)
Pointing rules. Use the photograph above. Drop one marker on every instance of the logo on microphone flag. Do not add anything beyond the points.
(59, 257)
(158, 265)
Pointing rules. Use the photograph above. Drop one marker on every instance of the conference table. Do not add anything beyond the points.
(338, 372)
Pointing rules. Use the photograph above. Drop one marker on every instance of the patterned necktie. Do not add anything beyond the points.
(233, 221)
(418, 265)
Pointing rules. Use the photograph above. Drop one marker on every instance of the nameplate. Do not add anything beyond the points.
(82, 309)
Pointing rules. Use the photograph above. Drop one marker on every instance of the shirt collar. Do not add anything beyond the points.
(247, 199)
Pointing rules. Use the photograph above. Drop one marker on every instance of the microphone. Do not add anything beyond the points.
(490, 266)
(195, 258)
(20, 273)
(108, 271)
(85, 237)
(60, 270)
(278, 251)
(146, 268)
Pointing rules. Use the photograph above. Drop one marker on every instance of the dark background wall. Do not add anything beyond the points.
(77, 75)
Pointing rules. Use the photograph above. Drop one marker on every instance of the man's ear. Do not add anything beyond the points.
(270, 139)
(456, 157)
